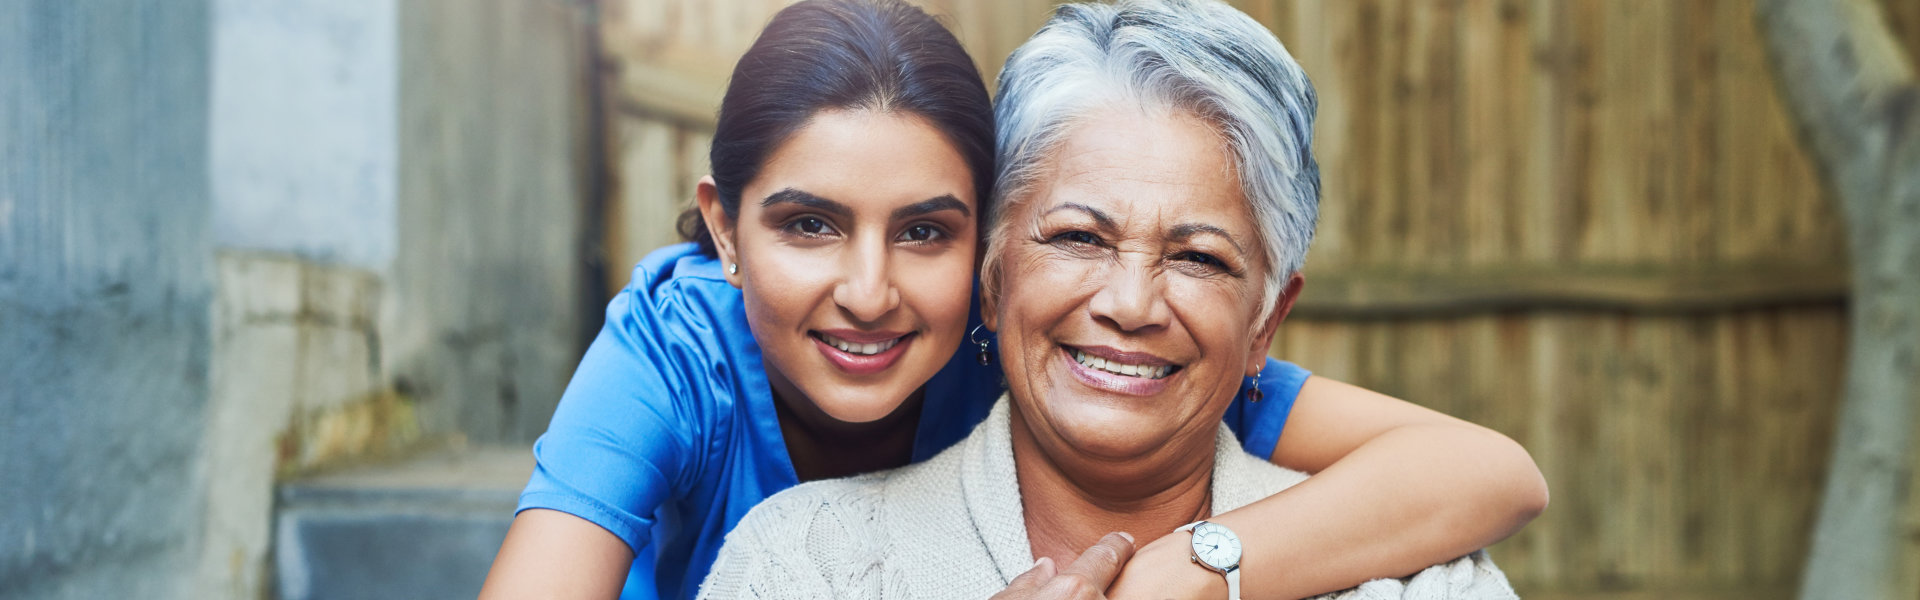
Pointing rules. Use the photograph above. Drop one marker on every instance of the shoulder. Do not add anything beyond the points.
(817, 539)
(827, 509)
(1241, 478)
(637, 423)
(678, 320)
(674, 279)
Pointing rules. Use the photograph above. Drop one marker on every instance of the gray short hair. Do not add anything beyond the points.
(1199, 56)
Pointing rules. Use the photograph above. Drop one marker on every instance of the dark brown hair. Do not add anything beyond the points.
(844, 54)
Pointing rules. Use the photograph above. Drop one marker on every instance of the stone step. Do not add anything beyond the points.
(420, 529)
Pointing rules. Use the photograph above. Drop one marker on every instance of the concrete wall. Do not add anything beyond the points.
(486, 315)
(243, 239)
(105, 282)
(398, 206)
(304, 152)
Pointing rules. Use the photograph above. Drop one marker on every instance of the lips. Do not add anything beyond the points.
(1130, 373)
(1117, 367)
(860, 353)
(857, 348)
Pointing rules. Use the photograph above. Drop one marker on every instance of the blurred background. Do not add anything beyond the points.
(288, 287)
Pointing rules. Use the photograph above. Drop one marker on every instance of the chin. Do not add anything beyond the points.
(1110, 431)
(861, 405)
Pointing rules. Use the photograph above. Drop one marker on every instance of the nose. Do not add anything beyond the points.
(1132, 299)
(866, 289)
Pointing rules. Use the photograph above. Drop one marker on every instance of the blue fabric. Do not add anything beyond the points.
(667, 434)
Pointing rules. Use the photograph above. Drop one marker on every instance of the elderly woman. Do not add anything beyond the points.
(1158, 197)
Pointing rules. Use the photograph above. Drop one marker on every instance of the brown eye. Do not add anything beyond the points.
(1202, 259)
(810, 226)
(1078, 237)
(921, 233)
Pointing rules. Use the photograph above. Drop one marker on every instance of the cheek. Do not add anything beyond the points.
(1219, 315)
(779, 287)
(1040, 292)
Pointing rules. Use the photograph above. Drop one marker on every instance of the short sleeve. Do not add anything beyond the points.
(622, 435)
(1258, 424)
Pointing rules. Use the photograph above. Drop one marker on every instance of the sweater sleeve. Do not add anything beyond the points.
(1471, 577)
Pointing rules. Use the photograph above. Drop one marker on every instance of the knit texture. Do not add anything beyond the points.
(951, 527)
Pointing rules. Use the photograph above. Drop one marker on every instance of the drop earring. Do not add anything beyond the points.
(986, 356)
(1253, 388)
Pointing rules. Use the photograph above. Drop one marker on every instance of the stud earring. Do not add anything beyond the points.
(986, 356)
(733, 269)
(1253, 388)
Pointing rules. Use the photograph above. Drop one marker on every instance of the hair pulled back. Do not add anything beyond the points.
(815, 55)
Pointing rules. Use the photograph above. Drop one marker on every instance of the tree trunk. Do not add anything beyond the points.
(1854, 96)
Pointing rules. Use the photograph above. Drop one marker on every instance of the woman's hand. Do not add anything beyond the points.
(1164, 570)
(1086, 579)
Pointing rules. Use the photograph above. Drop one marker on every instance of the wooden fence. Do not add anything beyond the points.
(1585, 223)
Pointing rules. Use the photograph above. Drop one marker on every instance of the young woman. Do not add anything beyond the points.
(811, 332)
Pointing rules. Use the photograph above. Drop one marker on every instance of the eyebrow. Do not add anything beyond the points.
(930, 206)
(923, 207)
(1181, 232)
(1186, 231)
(793, 196)
(1101, 218)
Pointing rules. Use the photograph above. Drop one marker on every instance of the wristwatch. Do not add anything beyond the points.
(1218, 549)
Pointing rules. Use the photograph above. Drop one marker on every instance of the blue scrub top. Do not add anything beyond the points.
(667, 434)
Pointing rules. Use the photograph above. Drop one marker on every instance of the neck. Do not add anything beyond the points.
(1070, 502)
(823, 447)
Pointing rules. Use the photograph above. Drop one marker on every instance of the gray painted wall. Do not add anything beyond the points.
(105, 283)
(487, 277)
(304, 150)
(133, 141)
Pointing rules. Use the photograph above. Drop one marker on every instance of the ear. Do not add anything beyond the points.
(990, 296)
(1263, 338)
(719, 225)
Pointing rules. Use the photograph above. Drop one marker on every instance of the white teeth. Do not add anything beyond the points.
(859, 349)
(1145, 371)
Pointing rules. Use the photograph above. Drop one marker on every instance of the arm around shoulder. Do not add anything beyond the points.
(1483, 481)
(1396, 488)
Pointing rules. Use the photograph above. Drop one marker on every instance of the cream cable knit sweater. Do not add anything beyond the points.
(951, 527)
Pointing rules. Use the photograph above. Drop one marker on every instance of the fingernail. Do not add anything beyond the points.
(1124, 534)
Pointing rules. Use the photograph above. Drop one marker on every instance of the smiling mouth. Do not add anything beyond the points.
(1149, 372)
(857, 348)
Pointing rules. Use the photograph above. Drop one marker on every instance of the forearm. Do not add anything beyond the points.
(1408, 499)
(551, 554)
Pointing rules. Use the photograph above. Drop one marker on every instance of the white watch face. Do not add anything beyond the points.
(1216, 545)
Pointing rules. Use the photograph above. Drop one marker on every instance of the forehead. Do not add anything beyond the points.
(864, 154)
(1170, 161)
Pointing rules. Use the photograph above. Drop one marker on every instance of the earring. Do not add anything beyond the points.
(1253, 388)
(986, 356)
(733, 269)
